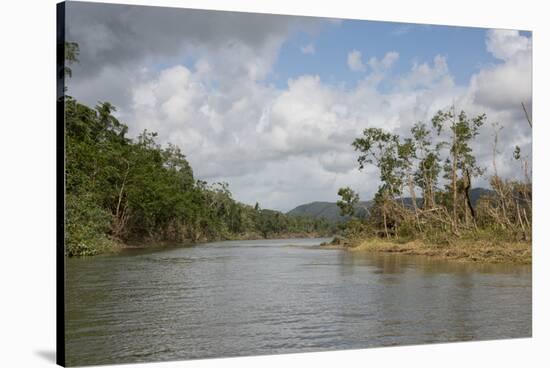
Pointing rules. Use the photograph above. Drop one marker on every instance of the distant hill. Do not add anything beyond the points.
(327, 210)
(331, 212)
(477, 193)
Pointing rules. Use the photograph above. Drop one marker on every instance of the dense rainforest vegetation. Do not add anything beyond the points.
(121, 190)
(434, 167)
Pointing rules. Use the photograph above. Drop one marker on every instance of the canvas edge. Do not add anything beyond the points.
(60, 184)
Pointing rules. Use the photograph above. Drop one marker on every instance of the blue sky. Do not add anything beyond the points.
(463, 47)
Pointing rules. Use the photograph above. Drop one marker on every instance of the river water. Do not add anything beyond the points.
(280, 296)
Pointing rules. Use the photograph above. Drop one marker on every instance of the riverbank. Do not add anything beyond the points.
(116, 246)
(286, 235)
(480, 250)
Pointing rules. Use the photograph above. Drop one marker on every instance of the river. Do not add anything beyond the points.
(255, 297)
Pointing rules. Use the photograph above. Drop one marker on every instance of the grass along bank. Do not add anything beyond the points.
(436, 164)
(475, 250)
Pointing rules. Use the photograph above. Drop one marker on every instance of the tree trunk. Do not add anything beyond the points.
(468, 199)
(413, 197)
(120, 213)
(385, 221)
(453, 180)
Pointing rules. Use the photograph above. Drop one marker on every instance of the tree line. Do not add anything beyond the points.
(434, 166)
(121, 189)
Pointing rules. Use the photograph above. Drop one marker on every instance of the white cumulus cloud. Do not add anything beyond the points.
(355, 61)
(507, 84)
(505, 44)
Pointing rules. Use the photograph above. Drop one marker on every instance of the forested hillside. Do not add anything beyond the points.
(327, 210)
(120, 189)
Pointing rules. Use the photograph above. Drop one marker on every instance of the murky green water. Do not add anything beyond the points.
(280, 296)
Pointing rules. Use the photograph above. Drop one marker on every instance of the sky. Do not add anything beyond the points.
(271, 103)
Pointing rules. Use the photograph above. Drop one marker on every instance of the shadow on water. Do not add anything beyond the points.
(425, 300)
(399, 263)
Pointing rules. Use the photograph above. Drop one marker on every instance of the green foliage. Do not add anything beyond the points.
(124, 190)
(442, 152)
(428, 166)
(348, 202)
(407, 230)
(356, 228)
(120, 189)
(381, 149)
(71, 56)
(86, 226)
(462, 130)
(517, 153)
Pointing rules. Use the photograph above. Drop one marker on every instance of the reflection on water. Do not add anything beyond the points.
(276, 296)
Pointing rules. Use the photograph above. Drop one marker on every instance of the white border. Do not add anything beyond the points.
(27, 180)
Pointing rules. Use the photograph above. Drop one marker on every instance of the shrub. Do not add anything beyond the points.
(86, 225)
